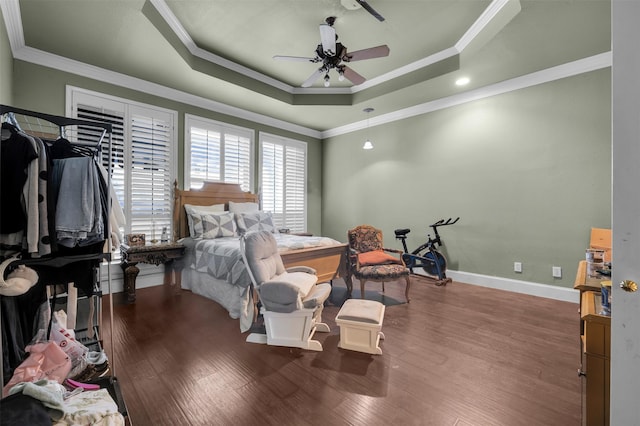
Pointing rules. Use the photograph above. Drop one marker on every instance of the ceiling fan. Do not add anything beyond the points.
(356, 4)
(331, 54)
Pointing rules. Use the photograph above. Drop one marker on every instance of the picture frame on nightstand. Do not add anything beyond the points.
(135, 239)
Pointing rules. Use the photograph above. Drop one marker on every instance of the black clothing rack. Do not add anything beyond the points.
(60, 121)
(94, 128)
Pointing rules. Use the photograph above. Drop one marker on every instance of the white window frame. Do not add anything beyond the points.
(224, 129)
(75, 96)
(286, 143)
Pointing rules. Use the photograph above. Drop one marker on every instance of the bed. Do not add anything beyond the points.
(212, 267)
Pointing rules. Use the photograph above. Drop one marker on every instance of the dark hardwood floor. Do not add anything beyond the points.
(456, 355)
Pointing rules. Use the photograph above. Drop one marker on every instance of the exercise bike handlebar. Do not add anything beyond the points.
(442, 222)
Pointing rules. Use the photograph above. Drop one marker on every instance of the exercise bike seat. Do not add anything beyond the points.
(402, 232)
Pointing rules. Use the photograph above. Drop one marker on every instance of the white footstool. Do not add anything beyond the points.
(360, 321)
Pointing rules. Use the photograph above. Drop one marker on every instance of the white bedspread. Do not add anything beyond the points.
(214, 269)
(221, 257)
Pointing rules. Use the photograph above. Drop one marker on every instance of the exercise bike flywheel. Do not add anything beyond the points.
(431, 267)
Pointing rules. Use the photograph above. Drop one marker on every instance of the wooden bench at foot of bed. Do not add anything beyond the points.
(329, 262)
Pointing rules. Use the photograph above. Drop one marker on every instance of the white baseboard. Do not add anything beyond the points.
(149, 276)
(525, 287)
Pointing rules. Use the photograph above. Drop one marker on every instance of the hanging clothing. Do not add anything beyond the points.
(79, 205)
(25, 173)
(17, 153)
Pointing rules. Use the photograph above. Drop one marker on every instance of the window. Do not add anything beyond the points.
(142, 156)
(283, 181)
(217, 152)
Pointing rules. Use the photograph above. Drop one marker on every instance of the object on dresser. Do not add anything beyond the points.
(135, 239)
(595, 261)
(605, 291)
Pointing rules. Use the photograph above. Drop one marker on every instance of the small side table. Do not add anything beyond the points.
(167, 253)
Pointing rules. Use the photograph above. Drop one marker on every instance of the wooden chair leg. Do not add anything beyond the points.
(383, 286)
(406, 290)
(362, 289)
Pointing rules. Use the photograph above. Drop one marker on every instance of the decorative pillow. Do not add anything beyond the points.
(214, 225)
(193, 209)
(376, 257)
(243, 207)
(256, 221)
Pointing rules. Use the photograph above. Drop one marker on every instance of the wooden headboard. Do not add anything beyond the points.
(210, 193)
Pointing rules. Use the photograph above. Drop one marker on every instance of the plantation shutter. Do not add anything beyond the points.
(295, 188)
(217, 152)
(113, 113)
(272, 188)
(283, 182)
(142, 158)
(237, 160)
(150, 198)
(205, 156)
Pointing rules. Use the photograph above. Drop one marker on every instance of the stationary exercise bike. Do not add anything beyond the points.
(427, 255)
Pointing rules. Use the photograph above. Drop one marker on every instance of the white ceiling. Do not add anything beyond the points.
(218, 53)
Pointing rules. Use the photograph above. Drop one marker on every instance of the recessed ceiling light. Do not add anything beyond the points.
(462, 81)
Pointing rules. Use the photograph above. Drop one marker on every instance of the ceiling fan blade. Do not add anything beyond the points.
(316, 75)
(370, 53)
(328, 38)
(369, 9)
(353, 76)
(295, 58)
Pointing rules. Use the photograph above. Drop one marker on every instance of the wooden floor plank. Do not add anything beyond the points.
(456, 355)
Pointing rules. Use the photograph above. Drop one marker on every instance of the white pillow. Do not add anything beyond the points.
(214, 225)
(243, 207)
(193, 209)
(255, 221)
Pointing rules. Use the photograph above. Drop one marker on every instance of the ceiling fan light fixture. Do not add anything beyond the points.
(327, 83)
(341, 75)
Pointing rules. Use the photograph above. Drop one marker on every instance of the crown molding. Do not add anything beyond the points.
(483, 21)
(176, 26)
(60, 63)
(13, 22)
(570, 69)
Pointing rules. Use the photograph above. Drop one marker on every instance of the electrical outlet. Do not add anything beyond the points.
(517, 266)
(556, 271)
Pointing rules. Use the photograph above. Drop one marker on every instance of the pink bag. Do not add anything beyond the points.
(45, 361)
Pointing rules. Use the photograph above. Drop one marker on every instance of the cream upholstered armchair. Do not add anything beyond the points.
(291, 299)
(370, 261)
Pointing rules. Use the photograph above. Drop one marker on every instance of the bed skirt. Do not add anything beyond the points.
(236, 300)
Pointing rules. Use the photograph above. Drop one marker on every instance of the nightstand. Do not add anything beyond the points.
(168, 254)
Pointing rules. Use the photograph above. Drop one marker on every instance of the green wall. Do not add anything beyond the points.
(42, 89)
(6, 65)
(528, 172)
